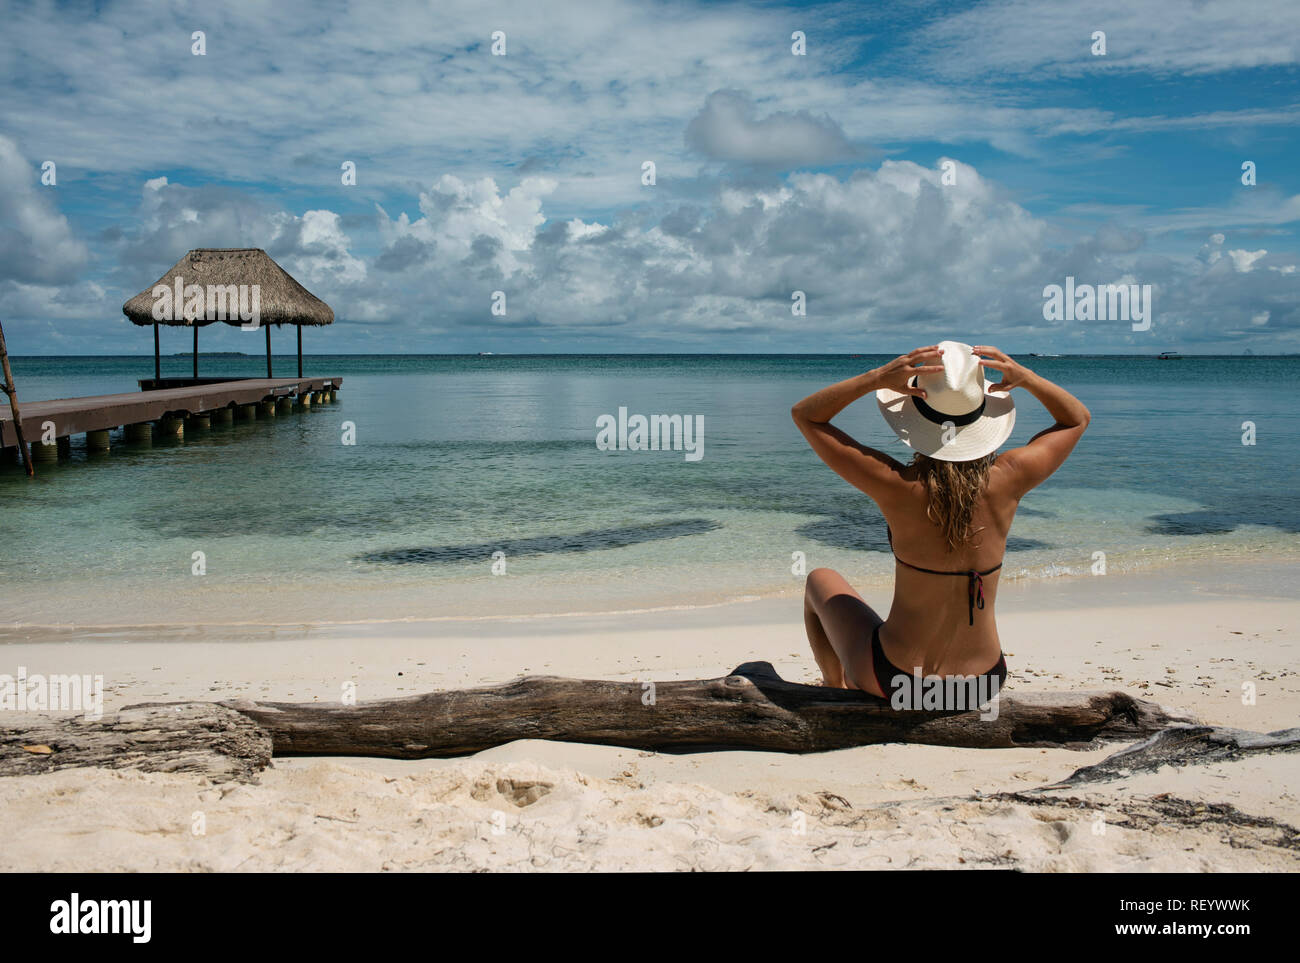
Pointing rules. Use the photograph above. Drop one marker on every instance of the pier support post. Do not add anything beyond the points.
(169, 426)
(42, 452)
(266, 409)
(246, 413)
(334, 394)
(200, 421)
(283, 405)
(304, 400)
(223, 416)
(140, 434)
(64, 446)
(97, 440)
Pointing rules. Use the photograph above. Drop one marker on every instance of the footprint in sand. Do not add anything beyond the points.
(1028, 776)
(904, 785)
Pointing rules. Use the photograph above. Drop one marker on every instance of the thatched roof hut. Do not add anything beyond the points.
(238, 286)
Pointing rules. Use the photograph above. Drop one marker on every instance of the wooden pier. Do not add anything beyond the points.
(96, 415)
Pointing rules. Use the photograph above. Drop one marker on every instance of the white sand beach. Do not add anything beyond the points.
(1187, 639)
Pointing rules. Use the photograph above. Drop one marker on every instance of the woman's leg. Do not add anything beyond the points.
(823, 651)
(839, 625)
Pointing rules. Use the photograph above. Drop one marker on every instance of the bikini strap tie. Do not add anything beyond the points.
(975, 583)
(974, 578)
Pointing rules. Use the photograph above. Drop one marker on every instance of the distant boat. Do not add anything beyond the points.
(485, 354)
(1169, 356)
(1035, 354)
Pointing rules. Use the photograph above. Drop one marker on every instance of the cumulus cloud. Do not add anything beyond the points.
(729, 128)
(36, 244)
(171, 219)
(317, 248)
(1244, 261)
(884, 256)
(871, 251)
(471, 223)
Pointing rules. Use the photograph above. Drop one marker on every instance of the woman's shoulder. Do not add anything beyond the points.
(1003, 479)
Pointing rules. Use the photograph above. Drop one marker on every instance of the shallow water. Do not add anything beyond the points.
(458, 458)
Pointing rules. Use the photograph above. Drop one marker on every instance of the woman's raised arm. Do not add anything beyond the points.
(1034, 463)
(862, 467)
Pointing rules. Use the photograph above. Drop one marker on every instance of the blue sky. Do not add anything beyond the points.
(775, 173)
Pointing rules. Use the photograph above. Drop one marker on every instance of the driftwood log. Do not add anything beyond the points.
(752, 708)
(1182, 746)
(198, 737)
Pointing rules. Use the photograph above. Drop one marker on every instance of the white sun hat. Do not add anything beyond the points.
(960, 418)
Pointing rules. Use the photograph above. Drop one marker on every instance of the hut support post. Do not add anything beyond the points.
(268, 352)
(299, 350)
(12, 392)
(196, 350)
(157, 357)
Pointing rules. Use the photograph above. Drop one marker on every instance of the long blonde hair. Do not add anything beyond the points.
(952, 489)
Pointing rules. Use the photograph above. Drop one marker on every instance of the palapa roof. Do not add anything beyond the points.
(282, 299)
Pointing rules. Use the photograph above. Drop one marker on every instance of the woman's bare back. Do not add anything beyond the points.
(929, 621)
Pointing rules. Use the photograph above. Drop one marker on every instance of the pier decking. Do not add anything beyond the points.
(96, 413)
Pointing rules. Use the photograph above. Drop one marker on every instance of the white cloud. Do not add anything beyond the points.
(173, 218)
(579, 230)
(36, 244)
(728, 128)
(587, 89)
(1244, 261)
(886, 243)
(884, 256)
(1015, 37)
(474, 221)
(315, 250)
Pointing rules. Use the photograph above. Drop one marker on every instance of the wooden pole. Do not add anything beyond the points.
(12, 392)
(268, 352)
(157, 358)
(196, 350)
(300, 351)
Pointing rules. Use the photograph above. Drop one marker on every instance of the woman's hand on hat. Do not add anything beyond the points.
(898, 374)
(1014, 374)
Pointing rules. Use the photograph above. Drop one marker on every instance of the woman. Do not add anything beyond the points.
(948, 512)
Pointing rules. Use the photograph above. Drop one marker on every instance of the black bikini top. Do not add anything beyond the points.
(974, 579)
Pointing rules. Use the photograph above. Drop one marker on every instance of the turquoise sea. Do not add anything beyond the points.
(457, 458)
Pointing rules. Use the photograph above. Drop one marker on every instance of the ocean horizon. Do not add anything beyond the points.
(286, 356)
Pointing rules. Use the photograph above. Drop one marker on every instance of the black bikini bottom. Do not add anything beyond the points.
(886, 674)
